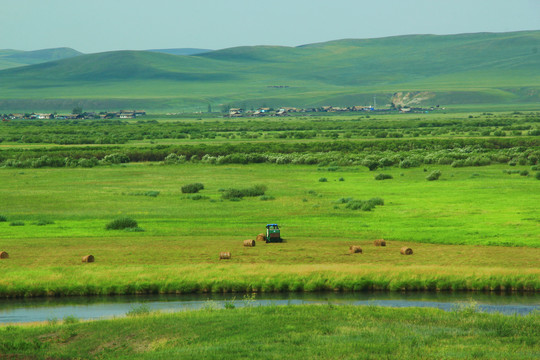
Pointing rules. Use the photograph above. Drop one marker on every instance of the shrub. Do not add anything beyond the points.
(43, 222)
(88, 163)
(383, 177)
(435, 175)
(16, 223)
(172, 158)
(405, 164)
(192, 188)
(537, 176)
(363, 205)
(151, 193)
(377, 201)
(198, 197)
(524, 173)
(115, 159)
(341, 179)
(323, 179)
(3, 218)
(71, 319)
(370, 164)
(344, 200)
(121, 223)
(355, 204)
(140, 310)
(266, 198)
(257, 190)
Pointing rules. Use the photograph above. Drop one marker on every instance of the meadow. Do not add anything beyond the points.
(472, 229)
(460, 189)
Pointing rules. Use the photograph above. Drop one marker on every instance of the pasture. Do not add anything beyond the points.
(473, 229)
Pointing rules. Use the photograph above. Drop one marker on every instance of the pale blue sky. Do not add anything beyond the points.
(103, 25)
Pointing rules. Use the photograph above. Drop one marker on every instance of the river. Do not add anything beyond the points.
(51, 309)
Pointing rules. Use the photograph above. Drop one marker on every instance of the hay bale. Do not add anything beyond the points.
(261, 237)
(379, 242)
(406, 251)
(224, 255)
(249, 243)
(355, 249)
(88, 259)
(4, 255)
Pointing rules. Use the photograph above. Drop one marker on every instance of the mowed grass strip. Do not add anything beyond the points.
(291, 332)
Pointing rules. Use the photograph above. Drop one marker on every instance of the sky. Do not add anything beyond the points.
(104, 25)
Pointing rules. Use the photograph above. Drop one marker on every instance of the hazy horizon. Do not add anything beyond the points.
(102, 25)
(199, 48)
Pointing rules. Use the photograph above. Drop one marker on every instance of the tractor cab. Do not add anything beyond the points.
(272, 233)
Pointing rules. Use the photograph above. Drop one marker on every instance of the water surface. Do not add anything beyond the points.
(47, 309)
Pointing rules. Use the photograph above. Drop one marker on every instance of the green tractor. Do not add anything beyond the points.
(272, 233)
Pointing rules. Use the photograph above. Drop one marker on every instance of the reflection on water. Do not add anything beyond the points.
(44, 309)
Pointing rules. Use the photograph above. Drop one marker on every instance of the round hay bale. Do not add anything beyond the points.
(355, 249)
(88, 259)
(379, 242)
(224, 255)
(261, 237)
(4, 255)
(406, 251)
(249, 243)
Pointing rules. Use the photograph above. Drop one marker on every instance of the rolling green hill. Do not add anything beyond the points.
(467, 69)
(181, 51)
(15, 58)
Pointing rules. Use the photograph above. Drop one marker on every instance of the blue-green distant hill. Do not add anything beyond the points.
(470, 69)
(15, 58)
(181, 51)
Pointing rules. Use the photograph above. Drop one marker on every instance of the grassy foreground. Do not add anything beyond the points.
(288, 332)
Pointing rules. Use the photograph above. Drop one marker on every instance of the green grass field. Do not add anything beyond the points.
(474, 228)
(291, 332)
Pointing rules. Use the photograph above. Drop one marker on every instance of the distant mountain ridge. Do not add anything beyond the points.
(182, 51)
(14, 58)
(483, 68)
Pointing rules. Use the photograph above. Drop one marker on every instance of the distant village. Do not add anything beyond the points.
(232, 112)
(122, 114)
(285, 111)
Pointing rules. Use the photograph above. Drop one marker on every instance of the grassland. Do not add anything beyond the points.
(474, 228)
(452, 225)
(292, 332)
(496, 70)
